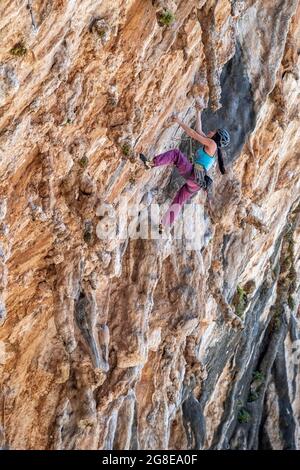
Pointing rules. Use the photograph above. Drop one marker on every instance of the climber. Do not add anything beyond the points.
(195, 174)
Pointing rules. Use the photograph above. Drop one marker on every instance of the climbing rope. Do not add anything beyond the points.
(189, 139)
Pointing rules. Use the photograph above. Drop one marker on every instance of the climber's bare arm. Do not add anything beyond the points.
(198, 121)
(209, 144)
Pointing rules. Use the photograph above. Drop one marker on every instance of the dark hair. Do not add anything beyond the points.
(217, 139)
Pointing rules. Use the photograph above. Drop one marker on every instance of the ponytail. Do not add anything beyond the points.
(221, 161)
(217, 139)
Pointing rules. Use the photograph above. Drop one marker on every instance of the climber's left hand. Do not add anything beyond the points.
(174, 117)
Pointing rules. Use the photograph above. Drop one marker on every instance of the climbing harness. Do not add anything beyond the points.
(201, 176)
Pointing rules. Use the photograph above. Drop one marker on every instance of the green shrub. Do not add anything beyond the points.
(126, 149)
(101, 32)
(291, 302)
(240, 301)
(166, 18)
(253, 396)
(257, 375)
(19, 49)
(277, 323)
(83, 162)
(243, 416)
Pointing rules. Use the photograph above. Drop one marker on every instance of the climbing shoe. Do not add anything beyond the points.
(146, 162)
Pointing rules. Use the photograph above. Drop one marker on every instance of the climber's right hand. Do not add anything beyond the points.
(199, 104)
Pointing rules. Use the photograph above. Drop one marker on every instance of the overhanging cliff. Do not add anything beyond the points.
(134, 342)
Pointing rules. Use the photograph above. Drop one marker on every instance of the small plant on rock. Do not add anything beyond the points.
(84, 161)
(253, 396)
(101, 32)
(126, 149)
(244, 416)
(276, 320)
(19, 49)
(259, 376)
(166, 18)
(101, 28)
(291, 302)
(240, 301)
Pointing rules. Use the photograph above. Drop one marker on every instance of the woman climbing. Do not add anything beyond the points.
(194, 174)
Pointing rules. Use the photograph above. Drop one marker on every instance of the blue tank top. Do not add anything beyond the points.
(202, 158)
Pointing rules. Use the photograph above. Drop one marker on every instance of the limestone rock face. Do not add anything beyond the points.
(111, 340)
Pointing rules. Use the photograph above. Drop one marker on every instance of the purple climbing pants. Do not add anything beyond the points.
(186, 169)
